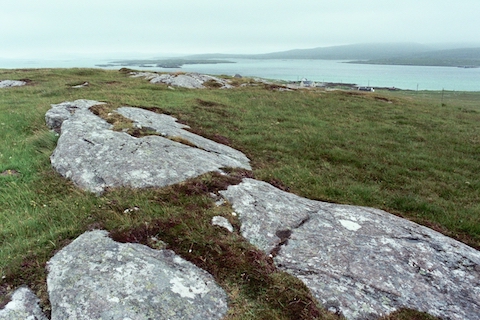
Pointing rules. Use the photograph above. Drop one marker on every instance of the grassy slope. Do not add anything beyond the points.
(403, 152)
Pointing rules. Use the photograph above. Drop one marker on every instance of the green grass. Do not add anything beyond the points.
(415, 154)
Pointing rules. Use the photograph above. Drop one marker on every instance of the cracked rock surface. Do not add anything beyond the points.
(95, 157)
(188, 80)
(95, 277)
(360, 261)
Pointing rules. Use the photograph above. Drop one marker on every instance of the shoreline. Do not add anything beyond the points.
(337, 72)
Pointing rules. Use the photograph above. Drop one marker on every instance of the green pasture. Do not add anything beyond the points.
(414, 154)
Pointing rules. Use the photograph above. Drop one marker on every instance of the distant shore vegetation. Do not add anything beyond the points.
(161, 63)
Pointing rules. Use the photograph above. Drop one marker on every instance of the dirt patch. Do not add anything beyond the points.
(155, 110)
(279, 184)
(205, 103)
(383, 99)
(10, 172)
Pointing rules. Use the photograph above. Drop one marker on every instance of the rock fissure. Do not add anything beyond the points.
(284, 236)
(303, 222)
(88, 141)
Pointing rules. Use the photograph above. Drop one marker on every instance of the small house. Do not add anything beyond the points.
(307, 83)
(366, 89)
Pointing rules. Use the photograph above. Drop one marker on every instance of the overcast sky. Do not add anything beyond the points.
(127, 28)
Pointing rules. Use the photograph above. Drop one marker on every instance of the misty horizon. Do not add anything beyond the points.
(144, 55)
(56, 29)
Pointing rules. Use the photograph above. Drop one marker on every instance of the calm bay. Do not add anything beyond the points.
(403, 77)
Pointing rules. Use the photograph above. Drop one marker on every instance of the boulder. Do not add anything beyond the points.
(95, 277)
(11, 83)
(95, 157)
(22, 306)
(187, 80)
(361, 262)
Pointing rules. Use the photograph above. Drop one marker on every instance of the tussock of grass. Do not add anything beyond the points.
(182, 141)
(404, 152)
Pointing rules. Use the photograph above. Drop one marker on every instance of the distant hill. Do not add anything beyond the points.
(345, 52)
(465, 57)
(373, 53)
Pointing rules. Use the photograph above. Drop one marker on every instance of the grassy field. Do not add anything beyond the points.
(415, 154)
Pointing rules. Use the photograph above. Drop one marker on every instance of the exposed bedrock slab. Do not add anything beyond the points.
(168, 127)
(23, 306)
(362, 261)
(95, 277)
(11, 83)
(95, 157)
(188, 80)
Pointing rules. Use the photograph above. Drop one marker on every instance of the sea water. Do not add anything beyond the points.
(402, 77)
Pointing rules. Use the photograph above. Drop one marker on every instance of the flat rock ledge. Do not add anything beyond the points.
(22, 306)
(358, 261)
(187, 80)
(11, 83)
(95, 157)
(95, 277)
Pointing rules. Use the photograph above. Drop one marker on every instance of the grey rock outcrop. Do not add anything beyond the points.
(23, 306)
(11, 83)
(95, 277)
(95, 157)
(187, 80)
(363, 262)
(169, 128)
(58, 113)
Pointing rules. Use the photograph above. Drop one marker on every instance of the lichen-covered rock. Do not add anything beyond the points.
(95, 277)
(363, 262)
(63, 111)
(95, 157)
(22, 306)
(188, 80)
(11, 83)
